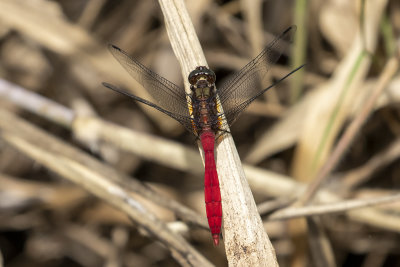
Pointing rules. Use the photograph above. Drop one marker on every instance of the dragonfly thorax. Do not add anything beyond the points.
(202, 82)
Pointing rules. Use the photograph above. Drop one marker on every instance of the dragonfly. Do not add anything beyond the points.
(206, 111)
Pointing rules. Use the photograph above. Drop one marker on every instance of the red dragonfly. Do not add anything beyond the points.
(200, 111)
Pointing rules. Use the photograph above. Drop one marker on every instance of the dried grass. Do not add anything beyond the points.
(89, 178)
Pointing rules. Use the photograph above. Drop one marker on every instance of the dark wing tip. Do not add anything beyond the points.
(119, 90)
(112, 47)
(106, 84)
(302, 66)
(289, 33)
(114, 88)
(291, 28)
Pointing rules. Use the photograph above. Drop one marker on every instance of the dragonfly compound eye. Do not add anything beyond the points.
(210, 76)
(201, 72)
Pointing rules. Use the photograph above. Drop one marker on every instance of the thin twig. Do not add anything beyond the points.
(294, 212)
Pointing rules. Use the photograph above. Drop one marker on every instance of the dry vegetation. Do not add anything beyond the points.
(89, 178)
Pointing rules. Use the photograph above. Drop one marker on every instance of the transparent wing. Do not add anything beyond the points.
(250, 82)
(186, 121)
(169, 97)
(232, 114)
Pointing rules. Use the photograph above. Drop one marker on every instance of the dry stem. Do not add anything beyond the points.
(246, 242)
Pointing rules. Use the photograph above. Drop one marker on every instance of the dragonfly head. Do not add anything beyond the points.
(202, 76)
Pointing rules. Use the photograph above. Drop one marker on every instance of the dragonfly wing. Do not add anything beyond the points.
(168, 96)
(233, 113)
(251, 81)
(186, 121)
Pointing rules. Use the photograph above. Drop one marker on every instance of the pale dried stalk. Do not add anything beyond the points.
(376, 218)
(35, 103)
(90, 13)
(154, 148)
(252, 11)
(96, 178)
(246, 242)
(295, 212)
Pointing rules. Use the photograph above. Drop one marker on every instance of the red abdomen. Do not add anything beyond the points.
(211, 186)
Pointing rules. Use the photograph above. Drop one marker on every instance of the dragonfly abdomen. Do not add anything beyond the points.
(212, 193)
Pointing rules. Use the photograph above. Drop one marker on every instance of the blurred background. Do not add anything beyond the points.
(54, 57)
